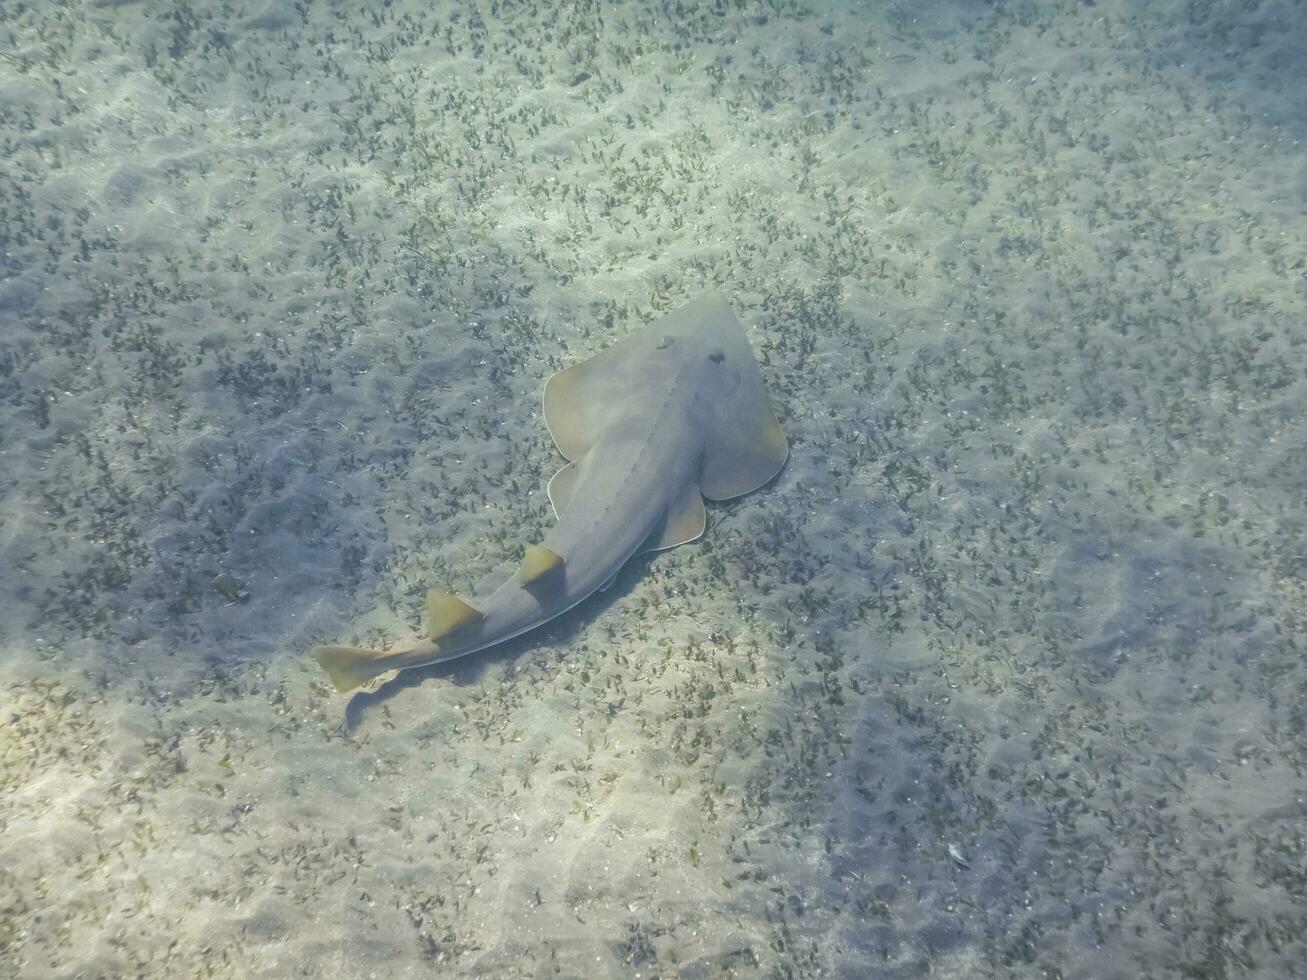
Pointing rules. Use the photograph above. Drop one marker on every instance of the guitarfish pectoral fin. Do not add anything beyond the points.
(744, 446)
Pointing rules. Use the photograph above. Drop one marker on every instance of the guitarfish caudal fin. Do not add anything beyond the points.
(349, 667)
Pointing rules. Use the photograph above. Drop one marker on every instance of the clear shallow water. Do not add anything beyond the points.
(1001, 677)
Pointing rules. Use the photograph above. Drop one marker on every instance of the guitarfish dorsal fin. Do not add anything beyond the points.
(539, 561)
(447, 613)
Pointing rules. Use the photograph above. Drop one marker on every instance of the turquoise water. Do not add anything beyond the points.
(1002, 676)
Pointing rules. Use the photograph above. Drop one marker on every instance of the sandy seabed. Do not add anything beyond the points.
(1003, 676)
